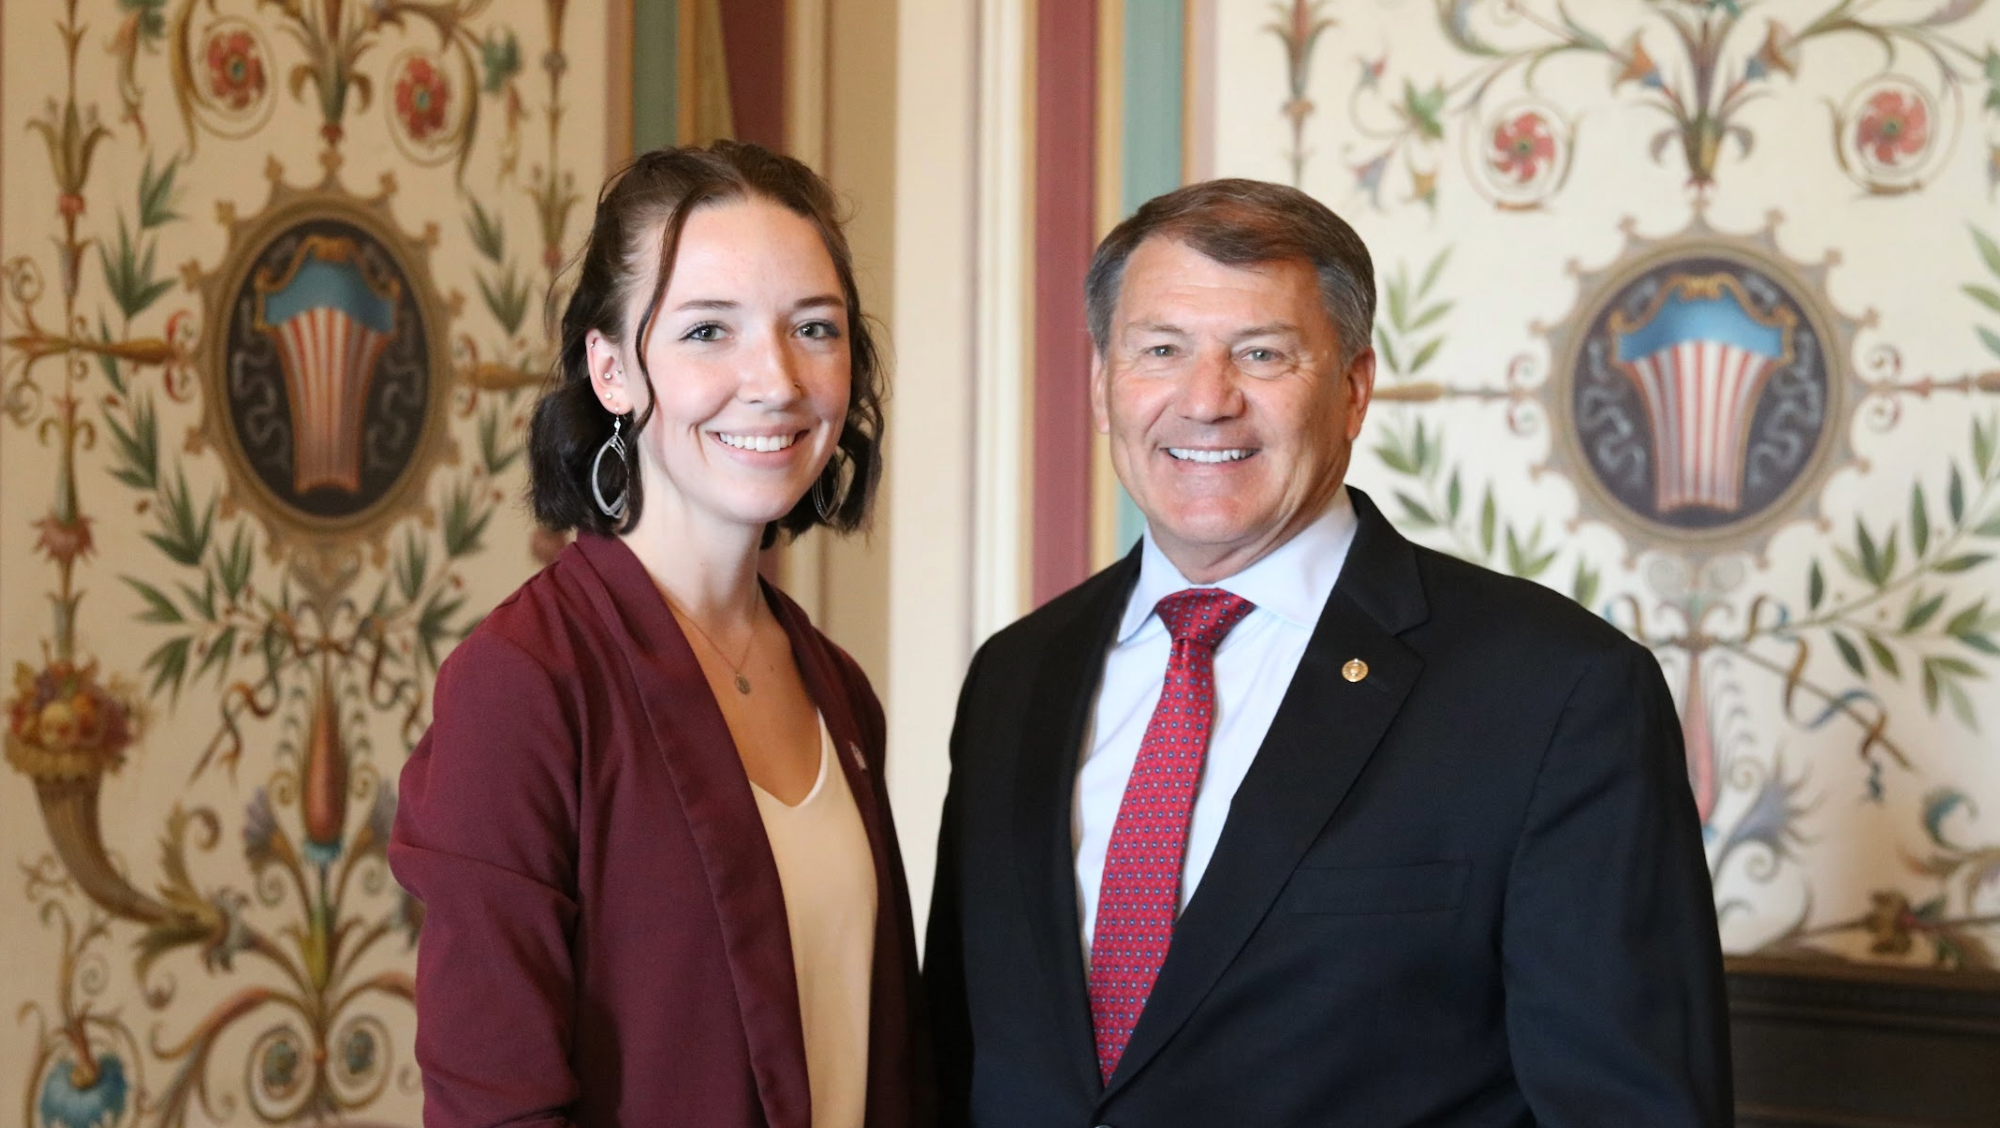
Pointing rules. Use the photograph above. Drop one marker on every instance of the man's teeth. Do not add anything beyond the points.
(1189, 454)
(764, 443)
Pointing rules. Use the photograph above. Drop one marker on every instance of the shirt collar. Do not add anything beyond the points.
(1293, 581)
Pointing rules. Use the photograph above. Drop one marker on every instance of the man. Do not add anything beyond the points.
(1283, 821)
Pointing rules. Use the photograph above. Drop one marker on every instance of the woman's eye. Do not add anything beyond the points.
(706, 331)
(819, 330)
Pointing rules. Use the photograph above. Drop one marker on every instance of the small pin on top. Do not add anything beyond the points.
(1355, 670)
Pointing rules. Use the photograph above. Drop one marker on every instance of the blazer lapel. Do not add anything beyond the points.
(836, 707)
(1052, 740)
(1325, 730)
(693, 740)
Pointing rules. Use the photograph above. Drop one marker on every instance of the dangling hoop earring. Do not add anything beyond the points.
(615, 445)
(819, 496)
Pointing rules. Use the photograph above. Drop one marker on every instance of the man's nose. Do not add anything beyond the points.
(1211, 391)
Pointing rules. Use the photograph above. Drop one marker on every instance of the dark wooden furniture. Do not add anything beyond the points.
(1838, 1045)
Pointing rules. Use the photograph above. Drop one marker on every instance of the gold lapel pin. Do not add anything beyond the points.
(1355, 670)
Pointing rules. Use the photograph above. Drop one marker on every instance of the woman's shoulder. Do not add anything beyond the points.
(546, 623)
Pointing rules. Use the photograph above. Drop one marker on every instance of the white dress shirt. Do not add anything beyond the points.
(1253, 668)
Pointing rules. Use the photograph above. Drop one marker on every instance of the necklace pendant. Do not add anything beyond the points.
(742, 684)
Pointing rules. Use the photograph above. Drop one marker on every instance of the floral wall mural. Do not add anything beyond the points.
(270, 310)
(1691, 309)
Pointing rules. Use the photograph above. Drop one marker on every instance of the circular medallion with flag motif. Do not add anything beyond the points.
(1700, 392)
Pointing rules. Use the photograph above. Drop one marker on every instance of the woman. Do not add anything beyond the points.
(648, 823)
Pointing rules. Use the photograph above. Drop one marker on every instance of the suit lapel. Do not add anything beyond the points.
(1052, 739)
(693, 740)
(1325, 730)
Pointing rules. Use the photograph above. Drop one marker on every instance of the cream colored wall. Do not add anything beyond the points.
(852, 600)
(888, 112)
(930, 499)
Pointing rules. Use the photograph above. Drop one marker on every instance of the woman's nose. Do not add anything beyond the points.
(770, 373)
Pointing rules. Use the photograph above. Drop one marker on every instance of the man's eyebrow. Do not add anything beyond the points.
(1156, 327)
(1271, 329)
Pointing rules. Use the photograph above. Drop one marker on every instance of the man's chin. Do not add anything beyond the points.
(1207, 540)
(1216, 522)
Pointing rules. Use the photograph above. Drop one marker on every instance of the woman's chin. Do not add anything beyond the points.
(751, 508)
(760, 512)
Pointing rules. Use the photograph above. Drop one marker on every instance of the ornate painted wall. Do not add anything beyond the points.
(1691, 309)
(270, 295)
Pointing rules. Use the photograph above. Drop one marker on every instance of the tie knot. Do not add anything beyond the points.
(1202, 615)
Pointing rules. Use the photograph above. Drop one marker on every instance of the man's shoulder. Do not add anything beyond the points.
(1509, 611)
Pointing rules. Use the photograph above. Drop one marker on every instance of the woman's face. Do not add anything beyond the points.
(749, 359)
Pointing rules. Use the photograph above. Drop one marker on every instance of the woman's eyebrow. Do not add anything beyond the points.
(708, 303)
(725, 304)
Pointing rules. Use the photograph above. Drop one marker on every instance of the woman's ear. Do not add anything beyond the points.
(607, 373)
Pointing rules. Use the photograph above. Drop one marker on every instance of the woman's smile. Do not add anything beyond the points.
(749, 443)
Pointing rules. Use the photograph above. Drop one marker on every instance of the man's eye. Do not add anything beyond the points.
(706, 331)
(1161, 350)
(1260, 356)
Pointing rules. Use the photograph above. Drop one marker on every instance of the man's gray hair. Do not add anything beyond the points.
(1243, 223)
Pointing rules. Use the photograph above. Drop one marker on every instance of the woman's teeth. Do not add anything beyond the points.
(1189, 454)
(764, 443)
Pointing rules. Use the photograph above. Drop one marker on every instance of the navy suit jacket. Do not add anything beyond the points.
(1466, 890)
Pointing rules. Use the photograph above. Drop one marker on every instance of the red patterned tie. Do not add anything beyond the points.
(1141, 891)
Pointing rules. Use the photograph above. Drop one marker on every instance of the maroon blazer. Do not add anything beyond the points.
(605, 939)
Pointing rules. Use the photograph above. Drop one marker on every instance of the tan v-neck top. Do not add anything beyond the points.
(828, 877)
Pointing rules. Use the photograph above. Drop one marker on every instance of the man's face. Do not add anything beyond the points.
(1230, 414)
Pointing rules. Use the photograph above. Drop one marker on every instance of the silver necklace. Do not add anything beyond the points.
(736, 667)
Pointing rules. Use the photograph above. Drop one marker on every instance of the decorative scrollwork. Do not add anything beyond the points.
(278, 1073)
(359, 1062)
(274, 628)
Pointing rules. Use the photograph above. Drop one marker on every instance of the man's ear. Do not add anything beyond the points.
(608, 377)
(1100, 396)
(1360, 377)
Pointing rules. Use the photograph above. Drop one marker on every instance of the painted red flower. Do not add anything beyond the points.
(1522, 146)
(421, 95)
(1894, 126)
(235, 71)
(65, 541)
